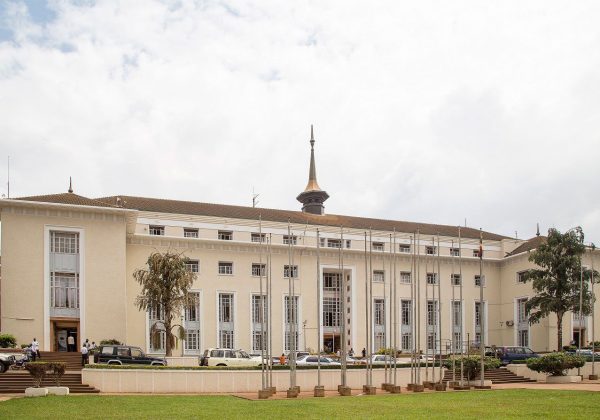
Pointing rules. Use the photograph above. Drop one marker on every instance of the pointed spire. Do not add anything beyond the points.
(70, 185)
(312, 173)
(538, 230)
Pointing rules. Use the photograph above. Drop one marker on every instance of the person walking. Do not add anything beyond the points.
(282, 359)
(35, 349)
(70, 343)
(85, 357)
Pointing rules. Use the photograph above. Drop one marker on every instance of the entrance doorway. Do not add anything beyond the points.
(577, 334)
(331, 343)
(65, 335)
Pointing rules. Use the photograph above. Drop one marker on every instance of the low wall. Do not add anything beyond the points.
(523, 370)
(226, 381)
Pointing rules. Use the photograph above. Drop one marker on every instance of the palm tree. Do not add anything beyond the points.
(557, 282)
(165, 285)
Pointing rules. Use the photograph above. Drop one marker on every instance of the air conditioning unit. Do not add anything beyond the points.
(510, 323)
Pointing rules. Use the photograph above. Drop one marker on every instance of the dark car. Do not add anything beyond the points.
(6, 360)
(510, 354)
(125, 355)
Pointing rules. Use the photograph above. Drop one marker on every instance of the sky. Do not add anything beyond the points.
(482, 112)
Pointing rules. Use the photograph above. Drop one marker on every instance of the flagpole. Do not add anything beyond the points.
(427, 320)
(418, 308)
(395, 311)
(453, 318)
(481, 310)
(593, 247)
(385, 324)
(413, 367)
(319, 314)
(462, 339)
(439, 285)
(270, 309)
(344, 315)
(263, 372)
(370, 351)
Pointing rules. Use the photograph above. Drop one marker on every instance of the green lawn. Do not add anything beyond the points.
(481, 404)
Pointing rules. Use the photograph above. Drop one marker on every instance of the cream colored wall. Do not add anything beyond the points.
(23, 259)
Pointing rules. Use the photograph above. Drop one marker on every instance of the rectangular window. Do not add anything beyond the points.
(260, 313)
(64, 290)
(286, 271)
(334, 243)
(454, 252)
(379, 308)
(455, 279)
(406, 341)
(478, 314)
(521, 313)
(192, 324)
(193, 266)
(225, 268)
(378, 246)
(157, 338)
(432, 278)
(430, 250)
(521, 276)
(379, 341)
(348, 243)
(431, 340)
(256, 303)
(192, 309)
(290, 239)
(225, 235)
(331, 312)
(226, 326)
(190, 233)
(291, 319)
(258, 269)
(258, 237)
(404, 248)
(476, 253)
(379, 276)
(157, 230)
(456, 313)
(64, 243)
(478, 280)
(457, 341)
(331, 282)
(405, 277)
(523, 338)
(432, 312)
(406, 312)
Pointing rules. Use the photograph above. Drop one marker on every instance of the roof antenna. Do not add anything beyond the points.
(516, 235)
(465, 222)
(538, 230)
(254, 198)
(70, 185)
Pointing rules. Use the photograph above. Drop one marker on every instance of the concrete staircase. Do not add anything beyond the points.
(73, 359)
(497, 376)
(15, 382)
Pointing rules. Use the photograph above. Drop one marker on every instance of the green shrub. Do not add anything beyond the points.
(57, 370)
(110, 341)
(37, 370)
(472, 365)
(8, 341)
(555, 364)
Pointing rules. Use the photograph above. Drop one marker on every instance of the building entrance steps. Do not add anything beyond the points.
(497, 376)
(16, 382)
(73, 359)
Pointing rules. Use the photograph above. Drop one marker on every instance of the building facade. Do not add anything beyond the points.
(68, 260)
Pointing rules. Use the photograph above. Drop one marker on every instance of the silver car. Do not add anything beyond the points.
(310, 360)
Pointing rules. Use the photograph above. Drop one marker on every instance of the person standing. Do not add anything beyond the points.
(364, 352)
(35, 349)
(70, 343)
(87, 343)
(85, 357)
(282, 359)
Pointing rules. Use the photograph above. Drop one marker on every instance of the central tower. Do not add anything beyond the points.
(312, 198)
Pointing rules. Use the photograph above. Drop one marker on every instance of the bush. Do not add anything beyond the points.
(8, 341)
(555, 364)
(472, 365)
(37, 370)
(110, 341)
(57, 370)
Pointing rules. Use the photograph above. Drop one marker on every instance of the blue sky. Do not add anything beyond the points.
(425, 110)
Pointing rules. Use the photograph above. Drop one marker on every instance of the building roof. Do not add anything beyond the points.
(528, 245)
(66, 198)
(252, 213)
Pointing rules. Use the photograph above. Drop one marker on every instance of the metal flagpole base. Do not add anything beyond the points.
(369, 390)
(440, 387)
(272, 390)
(482, 386)
(462, 388)
(453, 384)
(263, 394)
(292, 393)
(395, 389)
(344, 391)
(428, 384)
(418, 388)
(385, 386)
(319, 391)
(593, 377)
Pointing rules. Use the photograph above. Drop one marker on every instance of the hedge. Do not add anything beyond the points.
(201, 368)
(39, 370)
(555, 364)
(8, 341)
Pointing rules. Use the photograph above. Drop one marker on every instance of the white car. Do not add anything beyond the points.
(310, 360)
(227, 357)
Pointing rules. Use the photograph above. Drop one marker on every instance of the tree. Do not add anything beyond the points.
(557, 282)
(165, 287)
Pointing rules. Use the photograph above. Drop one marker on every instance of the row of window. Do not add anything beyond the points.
(227, 235)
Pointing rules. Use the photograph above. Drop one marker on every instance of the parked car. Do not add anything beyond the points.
(510, 354)
(587, 353)
(313, 360)
(380, 359)
(125, 355)
(6, 360)
(228, 357)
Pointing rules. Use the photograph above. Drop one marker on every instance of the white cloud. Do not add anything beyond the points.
(426, 111)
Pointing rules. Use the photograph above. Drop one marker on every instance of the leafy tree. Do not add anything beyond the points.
(165, 285)
(557, 281)
(555, 364)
